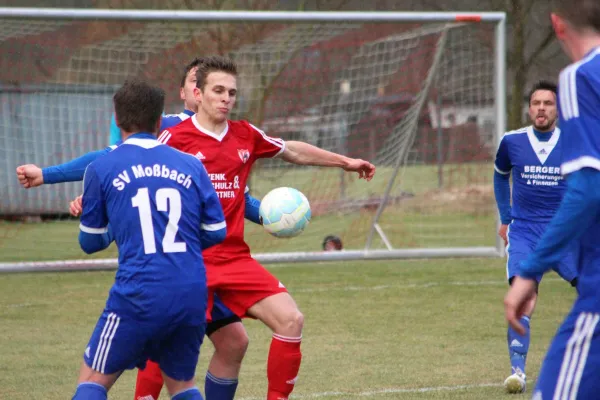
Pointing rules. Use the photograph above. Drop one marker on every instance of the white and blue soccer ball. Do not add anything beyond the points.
(285, 212)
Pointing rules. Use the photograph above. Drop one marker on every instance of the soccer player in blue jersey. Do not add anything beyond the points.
(160, 207)
(571, 369)
(533, 155)
(225, 330)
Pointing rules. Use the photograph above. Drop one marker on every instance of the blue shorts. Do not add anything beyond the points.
(120, 342)
(572, 364)
(522, 238)
(220, 311)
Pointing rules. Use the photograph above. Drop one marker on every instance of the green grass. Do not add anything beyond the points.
(370, 326)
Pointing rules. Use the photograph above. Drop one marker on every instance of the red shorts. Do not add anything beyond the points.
(240, 283)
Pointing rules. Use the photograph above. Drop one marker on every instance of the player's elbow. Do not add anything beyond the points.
(211, 238)
(220, 235)
(92, 243)
(293, 153)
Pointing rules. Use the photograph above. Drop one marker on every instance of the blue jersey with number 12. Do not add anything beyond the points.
(159, 202)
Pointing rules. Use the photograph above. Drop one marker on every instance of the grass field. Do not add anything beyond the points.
(428, 329)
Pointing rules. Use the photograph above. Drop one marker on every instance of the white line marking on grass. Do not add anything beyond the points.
(410, 286)
(424, 285)
(375, 392)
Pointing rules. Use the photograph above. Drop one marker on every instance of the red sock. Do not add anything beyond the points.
(149, 382)
(283, 366)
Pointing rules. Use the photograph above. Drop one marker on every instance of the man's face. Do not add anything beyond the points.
(542, 110)
(186, 93)
(218, 96)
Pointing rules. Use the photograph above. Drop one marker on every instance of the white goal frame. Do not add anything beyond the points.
(496, 18)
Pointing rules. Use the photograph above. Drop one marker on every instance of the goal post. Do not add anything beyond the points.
(420, 94)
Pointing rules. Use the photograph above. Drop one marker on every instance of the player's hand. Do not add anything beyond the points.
(502, 233)
(76, 207)
(365, 169)
(519, 294)
(30, 176)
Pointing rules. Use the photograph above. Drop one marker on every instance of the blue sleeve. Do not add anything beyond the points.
(91, 243)
(72, 170)
(579, 101)
(115, 132)
(502, 163)
(252, 207)
(94, 219)
(213, 228)
(502, 194)
(577, 212)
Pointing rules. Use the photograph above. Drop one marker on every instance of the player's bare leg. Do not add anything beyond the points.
(93, 385)
(231, 343)
(518, 347)
(280, 313)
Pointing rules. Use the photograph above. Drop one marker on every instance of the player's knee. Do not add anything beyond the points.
(231, 342)
(235, 349)
(294, 321)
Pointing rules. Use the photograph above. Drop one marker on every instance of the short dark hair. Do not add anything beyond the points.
(581, 14)
(193, 64)
(542, 85)
(138, 106)
(214, 64)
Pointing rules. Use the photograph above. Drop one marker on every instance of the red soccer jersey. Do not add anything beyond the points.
(228, 159)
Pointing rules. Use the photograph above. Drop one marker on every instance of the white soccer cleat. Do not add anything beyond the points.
(515, 383)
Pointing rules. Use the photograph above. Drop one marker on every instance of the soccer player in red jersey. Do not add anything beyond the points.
(228, 150)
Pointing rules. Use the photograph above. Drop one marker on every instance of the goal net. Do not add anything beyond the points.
(418, 99)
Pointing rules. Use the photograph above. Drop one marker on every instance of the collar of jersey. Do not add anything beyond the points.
(213, 135)
(592, 50)
(141, 135)
(188, 112)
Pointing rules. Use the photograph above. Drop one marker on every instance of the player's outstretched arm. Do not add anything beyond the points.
(30, 175)
(306, 154)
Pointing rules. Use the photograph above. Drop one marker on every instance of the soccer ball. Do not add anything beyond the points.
(285, 212)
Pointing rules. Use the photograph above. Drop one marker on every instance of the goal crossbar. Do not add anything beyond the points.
(249, 16)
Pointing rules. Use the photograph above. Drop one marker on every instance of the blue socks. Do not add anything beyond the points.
(518, 346)
(219, 388)
(90, 391)
(189, 394)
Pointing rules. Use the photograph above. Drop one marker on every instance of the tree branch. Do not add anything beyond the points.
(540, 48)
(529, 6)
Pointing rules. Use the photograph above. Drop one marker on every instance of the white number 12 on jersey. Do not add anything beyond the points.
(167, 199)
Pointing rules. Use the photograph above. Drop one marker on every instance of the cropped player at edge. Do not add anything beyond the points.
(572, 365)
(161, 221)
(225, 329)
(229, 149)
(533, 156)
